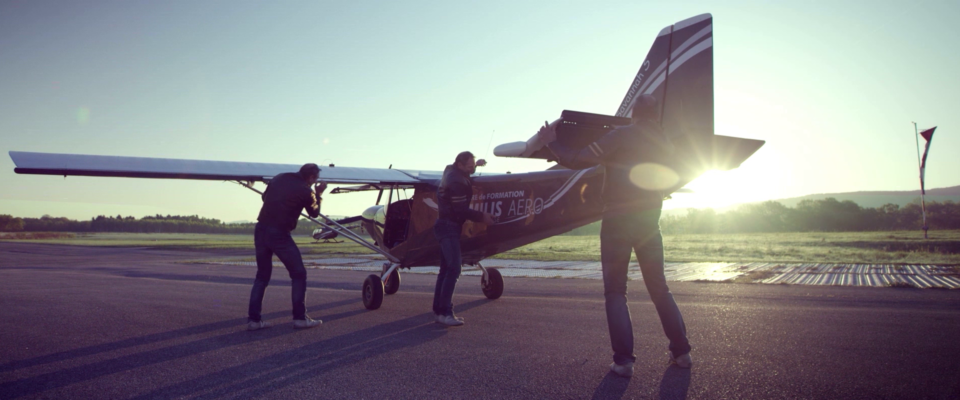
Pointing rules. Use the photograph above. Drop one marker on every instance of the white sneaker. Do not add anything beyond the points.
(625, 370)
(450, 320)
(683, 361)
(306, 323)
(439, 317)
(254, 326)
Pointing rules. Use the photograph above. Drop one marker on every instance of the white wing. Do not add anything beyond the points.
(168, 168)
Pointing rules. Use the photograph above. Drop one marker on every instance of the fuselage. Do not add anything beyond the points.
(527, 208)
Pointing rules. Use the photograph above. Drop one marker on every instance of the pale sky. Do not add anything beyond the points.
(832, 86)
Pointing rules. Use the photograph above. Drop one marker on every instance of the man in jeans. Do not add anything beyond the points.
(453, 198)
(631, 217)
(286, 196)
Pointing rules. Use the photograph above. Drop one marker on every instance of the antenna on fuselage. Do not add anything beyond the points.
(487, 152)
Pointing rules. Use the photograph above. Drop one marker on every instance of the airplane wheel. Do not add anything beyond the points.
(372, 292)
(393, 282)
(492, 286)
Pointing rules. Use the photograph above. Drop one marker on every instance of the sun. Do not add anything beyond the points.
(720, 189)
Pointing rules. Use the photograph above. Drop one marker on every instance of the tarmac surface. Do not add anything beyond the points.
(86, 322)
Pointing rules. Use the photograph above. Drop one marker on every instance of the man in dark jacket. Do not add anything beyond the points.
(286, 196)
(453, 198)
(633, 157)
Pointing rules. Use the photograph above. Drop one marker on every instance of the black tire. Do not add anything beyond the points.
(393, 282)
(493, 286)
(372, 292)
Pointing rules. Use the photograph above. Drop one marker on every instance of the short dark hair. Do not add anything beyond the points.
(463, 157)
(646, 106)
(308, 170)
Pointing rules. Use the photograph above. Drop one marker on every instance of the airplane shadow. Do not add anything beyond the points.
(612, 386)
(675, 383)
(235, 280)
(277, 281)
(257, 378)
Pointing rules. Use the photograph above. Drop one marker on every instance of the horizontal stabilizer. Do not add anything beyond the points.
(730, 152)
(574, 129)
(169, 168)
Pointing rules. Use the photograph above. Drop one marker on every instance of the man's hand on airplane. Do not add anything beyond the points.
(547, 133)
(481, 162)
(488, 219)
(320, 188)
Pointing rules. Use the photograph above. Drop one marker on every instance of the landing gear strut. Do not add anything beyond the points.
(391, 281)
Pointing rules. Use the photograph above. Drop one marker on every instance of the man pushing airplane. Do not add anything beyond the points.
(286, 196)
(631, 218)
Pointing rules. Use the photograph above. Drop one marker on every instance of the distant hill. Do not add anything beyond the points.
(877, 199)
(864, 199)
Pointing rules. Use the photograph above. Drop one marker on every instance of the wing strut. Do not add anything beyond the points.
(339, 228)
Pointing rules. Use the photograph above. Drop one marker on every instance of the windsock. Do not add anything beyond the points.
(928, 136)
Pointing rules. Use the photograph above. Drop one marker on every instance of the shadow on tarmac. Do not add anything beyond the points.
(257, 378)
(36, 384)
(612, 386)
(253, 378)
(154, 338)
(675, 383)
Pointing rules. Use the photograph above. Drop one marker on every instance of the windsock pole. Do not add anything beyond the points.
(923, 206)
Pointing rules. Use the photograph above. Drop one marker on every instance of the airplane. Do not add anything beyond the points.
(528, 207)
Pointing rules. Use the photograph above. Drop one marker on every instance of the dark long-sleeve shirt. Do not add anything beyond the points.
(287, 195)
(619, 151)
(456, 190)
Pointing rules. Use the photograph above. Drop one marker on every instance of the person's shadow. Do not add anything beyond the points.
(675, 383)
(612, 386)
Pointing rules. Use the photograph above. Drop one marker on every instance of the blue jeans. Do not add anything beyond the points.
(268, 241)
(448, 233)
(639, 232)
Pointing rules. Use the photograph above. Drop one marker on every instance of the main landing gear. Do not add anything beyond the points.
(388, 282)
(491, 283)
(374, 287)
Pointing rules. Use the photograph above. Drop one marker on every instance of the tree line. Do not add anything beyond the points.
(149, 224)
(826, 215)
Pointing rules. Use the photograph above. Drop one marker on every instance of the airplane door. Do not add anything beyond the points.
(398, 220)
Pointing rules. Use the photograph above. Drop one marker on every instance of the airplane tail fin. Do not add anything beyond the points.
(678, 71)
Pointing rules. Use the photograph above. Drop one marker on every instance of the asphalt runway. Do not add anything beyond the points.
(85, 322)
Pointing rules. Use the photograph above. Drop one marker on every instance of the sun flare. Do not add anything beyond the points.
(719, 189)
